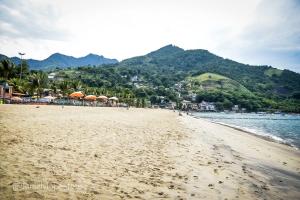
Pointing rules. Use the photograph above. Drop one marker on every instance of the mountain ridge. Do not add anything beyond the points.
(174, 60)
(63, 61)
(166, 72)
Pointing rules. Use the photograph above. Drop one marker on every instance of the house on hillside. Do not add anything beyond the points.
(193, 97)
(51, 76)
(134, 79)
(207, 106)
(55, 77)
(235, 108)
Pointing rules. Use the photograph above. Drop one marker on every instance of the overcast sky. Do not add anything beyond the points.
(265, 32)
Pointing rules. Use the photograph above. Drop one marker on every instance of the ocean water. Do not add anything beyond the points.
(281, 128)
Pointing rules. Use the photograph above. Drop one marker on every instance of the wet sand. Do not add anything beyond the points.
(52, 152)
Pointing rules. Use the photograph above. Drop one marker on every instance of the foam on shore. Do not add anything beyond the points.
(255, 132)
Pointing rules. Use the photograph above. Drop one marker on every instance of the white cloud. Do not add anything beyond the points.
(126, 28)
(272, 37)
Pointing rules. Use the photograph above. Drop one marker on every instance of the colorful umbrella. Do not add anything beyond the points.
(76, 95)
(102, 98)
(90, 97)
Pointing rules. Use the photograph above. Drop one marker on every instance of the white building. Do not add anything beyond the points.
(207, 106)
(51, 76)
(134, 78)
(235, 108)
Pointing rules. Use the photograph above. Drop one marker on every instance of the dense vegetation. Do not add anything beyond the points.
(172, 74)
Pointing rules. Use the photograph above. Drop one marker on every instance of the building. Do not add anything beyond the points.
(55, 77)
(134, 78)
(235, 108)
(51, 76)
(6, 91)
(207, 106)
(193, 97)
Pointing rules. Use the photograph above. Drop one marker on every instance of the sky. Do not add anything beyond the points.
(260, 32)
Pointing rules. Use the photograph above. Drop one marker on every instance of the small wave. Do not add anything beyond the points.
(261, 134)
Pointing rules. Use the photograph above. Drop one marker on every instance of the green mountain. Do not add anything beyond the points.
(173, 60)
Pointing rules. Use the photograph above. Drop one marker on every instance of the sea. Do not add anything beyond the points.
(282, 128)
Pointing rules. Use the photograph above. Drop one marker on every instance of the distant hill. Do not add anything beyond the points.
(175, 74)
(64, 61)
(174, 64)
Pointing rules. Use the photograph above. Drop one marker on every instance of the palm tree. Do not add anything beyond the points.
(39, 82)
(54, 88)
(6, 69)
(76, 85)
(19, 85)
(64, 87)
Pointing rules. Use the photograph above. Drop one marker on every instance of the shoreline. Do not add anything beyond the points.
(267, 138)
(107, 153)
(258, 158)
(264, 137)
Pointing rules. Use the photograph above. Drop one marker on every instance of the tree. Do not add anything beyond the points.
(138, 103)
(64, 87)
(24, 69)
(143, 103)
(76, 85)
(39, 81)
(19, 85)
(6, 69)
(153, 100)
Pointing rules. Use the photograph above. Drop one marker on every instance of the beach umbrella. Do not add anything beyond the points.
(18, 99)
(76, 95)
(102, 98)
(114, 99)
(90, 98)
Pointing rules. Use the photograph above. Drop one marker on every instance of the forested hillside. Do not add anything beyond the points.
(175, 74)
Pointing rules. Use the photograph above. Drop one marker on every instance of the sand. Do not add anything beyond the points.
(52, 152)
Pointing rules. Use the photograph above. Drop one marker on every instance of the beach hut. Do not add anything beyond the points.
(76, 95)
(90, 98)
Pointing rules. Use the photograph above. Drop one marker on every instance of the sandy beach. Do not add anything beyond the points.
(52, 152)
